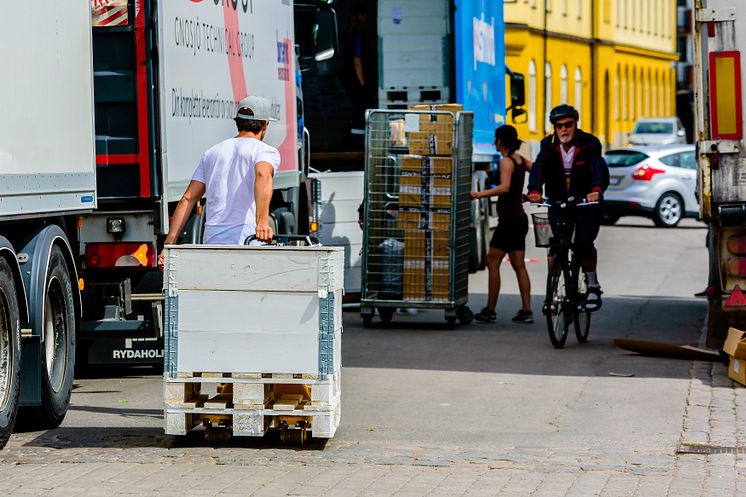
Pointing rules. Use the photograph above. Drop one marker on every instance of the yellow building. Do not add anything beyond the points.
(611, 59)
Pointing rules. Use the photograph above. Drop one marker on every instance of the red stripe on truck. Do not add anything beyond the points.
(142, 101)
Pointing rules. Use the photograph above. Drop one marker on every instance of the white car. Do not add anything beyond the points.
(655, 181)
(658, 131)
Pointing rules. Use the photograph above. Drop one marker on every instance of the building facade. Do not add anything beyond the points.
(614, 60)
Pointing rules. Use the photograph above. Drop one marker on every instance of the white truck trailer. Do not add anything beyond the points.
(47, 178)
(719, 75)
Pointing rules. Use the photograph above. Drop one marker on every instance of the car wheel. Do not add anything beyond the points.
(668, 211)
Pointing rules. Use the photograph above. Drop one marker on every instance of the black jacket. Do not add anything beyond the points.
(589, 170)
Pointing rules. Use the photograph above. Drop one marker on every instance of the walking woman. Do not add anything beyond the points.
(512, 226)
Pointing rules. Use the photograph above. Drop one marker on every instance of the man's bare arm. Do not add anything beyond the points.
(262, 196)
(193, 193)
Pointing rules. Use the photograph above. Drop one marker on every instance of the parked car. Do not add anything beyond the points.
(653, 181)
(658, 131)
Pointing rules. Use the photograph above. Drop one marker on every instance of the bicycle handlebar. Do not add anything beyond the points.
(563, 204)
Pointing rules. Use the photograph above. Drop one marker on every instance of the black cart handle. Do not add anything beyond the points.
(282, 240)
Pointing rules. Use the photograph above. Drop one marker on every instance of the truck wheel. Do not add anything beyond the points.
(10, 352)
(474, 250)
(58, 348)
(717, 325)
(485, 227)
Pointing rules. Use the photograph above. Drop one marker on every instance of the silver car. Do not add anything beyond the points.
(653, 181)
(657, 131)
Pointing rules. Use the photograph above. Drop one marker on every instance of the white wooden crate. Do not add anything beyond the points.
(233, 309)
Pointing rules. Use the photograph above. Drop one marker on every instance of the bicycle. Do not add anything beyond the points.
(567, 288)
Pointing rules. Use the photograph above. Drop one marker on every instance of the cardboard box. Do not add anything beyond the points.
(452, 108)
(418, 218)
(735, 347)
(426, 266)
(423, 164)
(433, 138)
(424, 191)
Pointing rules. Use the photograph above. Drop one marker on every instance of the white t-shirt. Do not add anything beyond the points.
(228, 172)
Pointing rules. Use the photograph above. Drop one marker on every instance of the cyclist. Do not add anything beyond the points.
(570, 164)
(510, 235)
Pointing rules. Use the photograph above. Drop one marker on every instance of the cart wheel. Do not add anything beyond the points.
(217, 434)
(295, 437)
(367, 320)
(387, 314)
(464, 314)
(451, 322)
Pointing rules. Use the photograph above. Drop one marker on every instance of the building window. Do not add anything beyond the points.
(632, 95)
(607, 11)
(532, 96)
(548, 5)
(547, 95)
(579, 8)
(617, 113)
(646, 94)
(579, 92)
(625, 78)
(563, 7)
(563, 84)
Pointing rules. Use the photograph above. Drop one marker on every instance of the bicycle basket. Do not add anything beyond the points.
(546, 235)
(542, 229)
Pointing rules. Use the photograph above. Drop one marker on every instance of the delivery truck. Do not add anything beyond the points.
(413, 52)
(167, 76)
(47, 179)
(100, 132)
(719, 74)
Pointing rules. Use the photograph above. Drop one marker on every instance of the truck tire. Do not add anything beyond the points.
(485, 226)
(10, 352)
(717, 325)
(58, 347)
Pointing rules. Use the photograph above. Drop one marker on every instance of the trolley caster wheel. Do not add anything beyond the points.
(464, 314)
(451, 323)
(217, 434)
(295, 437)
(367, 321)
(387, 314)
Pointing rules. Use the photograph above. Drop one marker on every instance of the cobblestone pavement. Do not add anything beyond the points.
(149, 463)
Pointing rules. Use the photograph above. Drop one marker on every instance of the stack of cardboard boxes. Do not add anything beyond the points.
(425, 199)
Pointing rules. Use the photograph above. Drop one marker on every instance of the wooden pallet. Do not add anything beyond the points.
(252, 403)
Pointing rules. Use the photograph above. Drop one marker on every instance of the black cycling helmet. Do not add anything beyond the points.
(562, 111)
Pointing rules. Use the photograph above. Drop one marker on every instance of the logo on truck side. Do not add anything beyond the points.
(484, 41)
(283, 60)
(246, 5)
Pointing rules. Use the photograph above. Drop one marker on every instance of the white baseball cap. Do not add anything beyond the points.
(254, 108)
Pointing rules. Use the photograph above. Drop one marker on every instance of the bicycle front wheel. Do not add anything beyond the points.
(556, 306)
(582, 316)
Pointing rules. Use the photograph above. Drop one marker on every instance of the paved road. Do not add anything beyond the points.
(480, 410)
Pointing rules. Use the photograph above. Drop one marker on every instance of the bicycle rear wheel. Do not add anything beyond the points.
(582, 316)
(557, 302)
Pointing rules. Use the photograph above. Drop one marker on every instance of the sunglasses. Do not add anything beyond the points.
(565, 125)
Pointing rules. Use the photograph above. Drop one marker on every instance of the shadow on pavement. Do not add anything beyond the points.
(422, 342)
(129, 437)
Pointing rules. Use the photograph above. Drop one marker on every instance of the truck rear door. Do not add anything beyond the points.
(124, 100)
